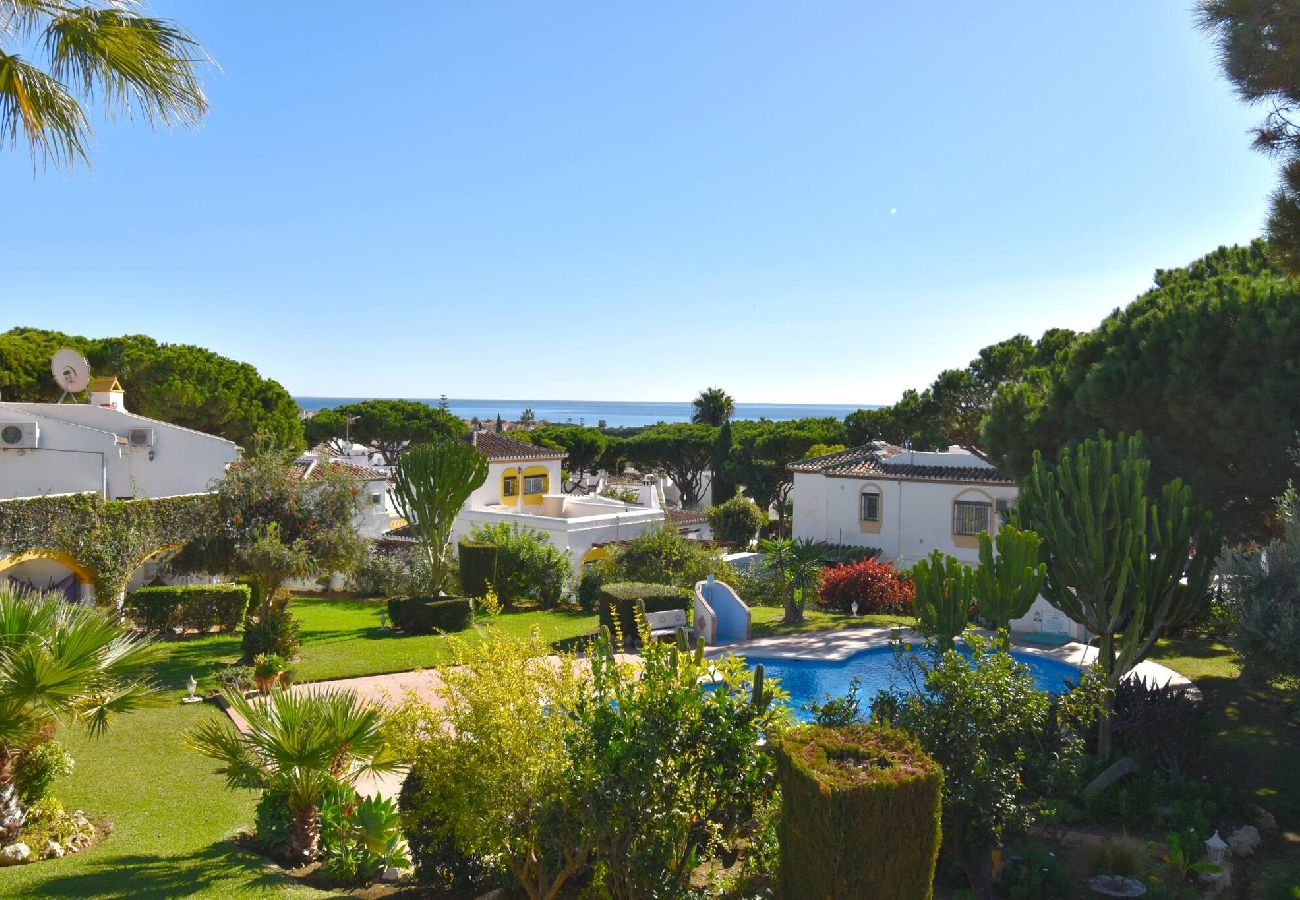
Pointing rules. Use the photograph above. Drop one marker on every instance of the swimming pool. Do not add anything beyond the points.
(814, 679)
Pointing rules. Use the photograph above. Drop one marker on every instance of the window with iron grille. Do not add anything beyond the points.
(534, 484)
(970, 518)
(871, 506)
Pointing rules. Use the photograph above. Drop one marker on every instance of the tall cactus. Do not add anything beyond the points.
(1126, 565)
(1008, 582)
(430, 485)
(944, 589)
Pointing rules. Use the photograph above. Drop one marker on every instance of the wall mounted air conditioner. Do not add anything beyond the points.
(19, 435)
(140, 437)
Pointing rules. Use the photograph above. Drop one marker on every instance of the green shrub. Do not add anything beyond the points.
(276, 632)
(1034, 873)
(661, 555)
(478, 566)
(438, 861)
(236, 679)
(588, 592)
(425, 615)
(382, 574)
(363, 841)
(198, 606)
(623, 597)
(527, 565)
(859, 814)
(737, 521)
(36, 769)
(254, 591)
(757, 585)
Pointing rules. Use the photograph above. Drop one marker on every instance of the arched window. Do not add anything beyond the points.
(869, 505)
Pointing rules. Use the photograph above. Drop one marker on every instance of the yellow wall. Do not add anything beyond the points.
(529, 499)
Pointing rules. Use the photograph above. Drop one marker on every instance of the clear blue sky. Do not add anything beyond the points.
(801, 202)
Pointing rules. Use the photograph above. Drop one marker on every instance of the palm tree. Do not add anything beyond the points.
(300, 744)
(713, 407)
(131, 63)
(59, 662)
(797, 564)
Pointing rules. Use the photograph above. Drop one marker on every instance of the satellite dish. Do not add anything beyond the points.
(70, 370)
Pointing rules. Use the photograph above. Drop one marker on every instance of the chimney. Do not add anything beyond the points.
(107, 391)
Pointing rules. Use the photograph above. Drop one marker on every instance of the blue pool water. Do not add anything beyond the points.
(806, 680)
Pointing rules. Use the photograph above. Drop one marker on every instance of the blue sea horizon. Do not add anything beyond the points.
(615, 413)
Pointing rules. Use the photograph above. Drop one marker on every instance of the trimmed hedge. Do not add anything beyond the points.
(860, 814)
(425, 615)
(197, 606)
(623, 596)
(478, 566)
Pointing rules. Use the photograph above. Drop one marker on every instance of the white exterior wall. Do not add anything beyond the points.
(73, 436)
(577, 534)
(375, 519)
(489, 492)
(915, 516)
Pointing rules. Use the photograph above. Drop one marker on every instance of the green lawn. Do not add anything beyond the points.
(171, 816)
(1251, 726)
(767, 622)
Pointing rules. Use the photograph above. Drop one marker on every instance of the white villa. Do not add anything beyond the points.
(523, 487)
(908, 503)
(98, 448)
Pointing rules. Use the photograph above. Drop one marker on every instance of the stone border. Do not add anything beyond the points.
(836, 646)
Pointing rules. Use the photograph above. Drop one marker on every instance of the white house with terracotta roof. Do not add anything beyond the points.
(524, 487)
(376, 512)
(908, 503)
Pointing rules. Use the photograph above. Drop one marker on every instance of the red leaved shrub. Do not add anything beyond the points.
(876, 587)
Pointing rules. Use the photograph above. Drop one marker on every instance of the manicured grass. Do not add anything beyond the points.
(342, 639)
(171, 815)
(766, 621)
(1251, 726)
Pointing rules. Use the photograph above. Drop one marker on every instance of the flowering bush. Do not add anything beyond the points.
(875, 586)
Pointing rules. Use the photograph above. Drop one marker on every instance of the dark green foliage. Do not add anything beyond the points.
(1158, 724)
(1260, 589)
(1125, 561)
(661, 555)
(275, 631)
(621, 599)
(1206, 365)
(254, 591)
(1006, 748)
(722, 486)
(425, 615)
(478, 566)
(860, 814)
(681, 450)
(944, 592)
(736, 521)
(838, 712)
(585, 446)
(199, 606)
(713, 406)
(36, 769)
(177, 383)
(438, 862)
(765, 450)
(1034, 873)
(667, 772)
(389, 426)
(383, 574)
(588, 592)
(1008, 582)
(528, 566)
(1259, 49)
(363, 840)
(430, 484)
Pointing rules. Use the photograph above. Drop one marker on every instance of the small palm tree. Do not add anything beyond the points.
(797, 562)
(301, 744)
(712, 407)
(59, 662)
(100, 50)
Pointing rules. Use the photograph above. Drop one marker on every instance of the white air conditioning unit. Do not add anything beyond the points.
(19, 435)
(140, 437)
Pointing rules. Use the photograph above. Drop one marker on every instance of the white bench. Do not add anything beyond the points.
(664, 625)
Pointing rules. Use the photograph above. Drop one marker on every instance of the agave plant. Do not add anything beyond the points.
(298, 744)
(58, 662)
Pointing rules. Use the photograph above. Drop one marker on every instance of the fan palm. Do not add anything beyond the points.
(299, 744)
(797, 563)
(712, 407)
(59, 662)
(96, 51)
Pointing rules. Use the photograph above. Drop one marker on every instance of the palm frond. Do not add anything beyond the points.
(128, 62)
(35, 105)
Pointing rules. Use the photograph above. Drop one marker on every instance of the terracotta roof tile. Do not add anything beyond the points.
(498, 447)
(867, 462)
(683, 517)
